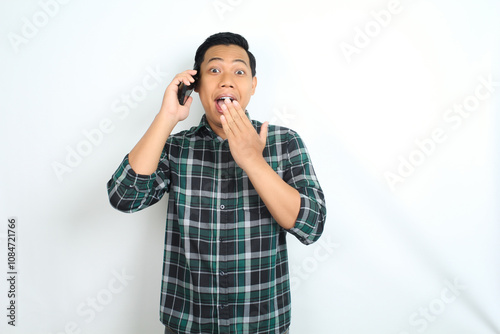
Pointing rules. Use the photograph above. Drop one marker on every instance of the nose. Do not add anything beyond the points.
(226, 81)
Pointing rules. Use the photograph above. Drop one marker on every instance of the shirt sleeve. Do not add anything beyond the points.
(131, 192)
(299, 173)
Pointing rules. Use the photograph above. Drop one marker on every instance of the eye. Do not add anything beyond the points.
(214, 70)
(240, 72)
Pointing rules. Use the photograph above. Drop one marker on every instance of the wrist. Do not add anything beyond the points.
(255, 166)
(167, 116)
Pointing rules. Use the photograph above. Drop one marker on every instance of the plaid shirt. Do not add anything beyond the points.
(225, 263)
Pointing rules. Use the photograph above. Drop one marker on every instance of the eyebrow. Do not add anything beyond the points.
(237, 60)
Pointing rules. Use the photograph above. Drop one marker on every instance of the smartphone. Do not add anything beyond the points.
(185, 91)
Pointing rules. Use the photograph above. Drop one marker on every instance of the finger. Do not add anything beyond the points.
(235, 114)
(229, 113)
(231, 109)
(239, 109)
(225, 126)
(178, 79)
(242, 115)
(188, 80)
(187, 77)
(191, 74)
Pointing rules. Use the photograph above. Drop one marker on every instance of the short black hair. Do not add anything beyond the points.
(223, 38)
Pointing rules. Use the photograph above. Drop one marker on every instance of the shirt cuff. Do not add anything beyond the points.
(310, 220)
(127, 177)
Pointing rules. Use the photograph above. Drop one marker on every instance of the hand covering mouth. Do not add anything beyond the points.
(220, 101)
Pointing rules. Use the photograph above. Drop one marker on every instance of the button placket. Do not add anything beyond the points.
(225, 220)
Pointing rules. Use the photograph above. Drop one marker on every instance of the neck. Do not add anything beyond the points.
(218, 130)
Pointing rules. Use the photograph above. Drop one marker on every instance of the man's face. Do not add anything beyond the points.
(225, 72)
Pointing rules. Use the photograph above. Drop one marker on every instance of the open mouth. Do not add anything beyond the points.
(220, 101)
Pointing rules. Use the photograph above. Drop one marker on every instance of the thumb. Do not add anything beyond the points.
(263, 132)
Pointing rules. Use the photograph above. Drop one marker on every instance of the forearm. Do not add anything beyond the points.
(282, 200)
(146, 154)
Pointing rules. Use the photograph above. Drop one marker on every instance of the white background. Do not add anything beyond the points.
(388, 255)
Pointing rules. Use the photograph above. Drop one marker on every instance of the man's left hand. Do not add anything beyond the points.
(245, 143)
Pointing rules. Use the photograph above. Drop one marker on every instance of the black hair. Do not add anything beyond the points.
(222, 38)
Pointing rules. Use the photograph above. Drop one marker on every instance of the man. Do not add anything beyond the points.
(236, 188)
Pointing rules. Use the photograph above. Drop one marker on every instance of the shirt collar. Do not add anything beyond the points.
(204, 128)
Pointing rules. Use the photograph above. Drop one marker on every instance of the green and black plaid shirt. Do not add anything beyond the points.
(225, 262)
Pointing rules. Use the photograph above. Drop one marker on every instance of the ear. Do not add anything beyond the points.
(254, 84)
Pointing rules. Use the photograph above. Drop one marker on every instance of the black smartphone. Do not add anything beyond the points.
(185, 91)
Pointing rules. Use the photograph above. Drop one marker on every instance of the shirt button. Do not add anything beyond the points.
(222, 206)
(222, 273)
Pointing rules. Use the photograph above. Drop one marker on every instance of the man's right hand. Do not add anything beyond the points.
(145, 156)
(170, 105)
